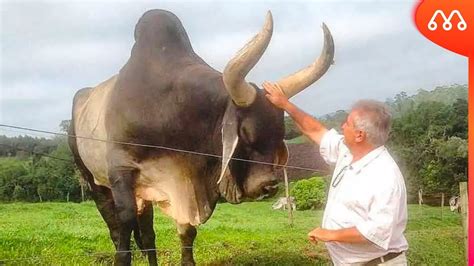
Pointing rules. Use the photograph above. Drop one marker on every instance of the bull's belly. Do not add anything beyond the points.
(166, 181)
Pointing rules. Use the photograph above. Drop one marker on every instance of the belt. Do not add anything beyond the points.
(383, 259)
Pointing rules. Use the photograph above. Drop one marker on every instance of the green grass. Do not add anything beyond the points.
(249, 233)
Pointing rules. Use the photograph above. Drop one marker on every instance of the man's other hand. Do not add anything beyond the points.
(319, 234)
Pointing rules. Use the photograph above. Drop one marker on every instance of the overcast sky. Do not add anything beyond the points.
(50, 49)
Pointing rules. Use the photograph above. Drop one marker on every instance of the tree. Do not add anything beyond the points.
(335, 120)
(427, 141)
(64, 126)
(40, 176)
(10, 171)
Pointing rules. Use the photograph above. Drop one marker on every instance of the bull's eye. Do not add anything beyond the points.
(244, 135)
(247, 134)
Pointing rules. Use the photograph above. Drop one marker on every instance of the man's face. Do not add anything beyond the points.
(352, 136)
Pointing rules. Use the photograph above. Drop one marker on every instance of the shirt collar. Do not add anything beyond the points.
(367, 159)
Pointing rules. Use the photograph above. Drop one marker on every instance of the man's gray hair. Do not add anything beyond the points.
(374, 118)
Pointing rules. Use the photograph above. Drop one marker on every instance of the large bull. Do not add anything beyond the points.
(166, 95)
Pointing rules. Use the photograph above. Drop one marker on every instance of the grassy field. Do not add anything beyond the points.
(248, 234)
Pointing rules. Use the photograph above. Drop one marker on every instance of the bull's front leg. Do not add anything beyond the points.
(187, 234)
(122, 182)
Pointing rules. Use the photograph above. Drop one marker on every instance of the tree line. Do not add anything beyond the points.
(428, 139)
(38, 169)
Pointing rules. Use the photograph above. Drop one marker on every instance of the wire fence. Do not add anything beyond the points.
(36, 153)
(165, 257)
(161, 252)
(314, 170)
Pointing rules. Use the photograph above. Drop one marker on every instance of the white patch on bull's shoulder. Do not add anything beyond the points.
(90, 123)
(167, 181)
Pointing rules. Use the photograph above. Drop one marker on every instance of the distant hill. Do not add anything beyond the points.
(443, 94)
(398, 104)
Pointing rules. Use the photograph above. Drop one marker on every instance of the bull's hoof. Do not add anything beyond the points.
(188, 262)
(123, 259)
(152, 259)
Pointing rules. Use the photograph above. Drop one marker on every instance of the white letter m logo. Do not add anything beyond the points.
(447, 25)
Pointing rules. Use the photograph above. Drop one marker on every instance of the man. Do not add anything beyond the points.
(366, 211)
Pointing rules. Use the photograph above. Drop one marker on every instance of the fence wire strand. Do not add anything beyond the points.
(160, 252)
(159, 147)
(37, 153)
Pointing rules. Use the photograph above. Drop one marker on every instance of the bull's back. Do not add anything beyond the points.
(89, 127)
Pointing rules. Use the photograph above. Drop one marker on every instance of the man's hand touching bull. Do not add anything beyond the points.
(275, 95)
(309, 126)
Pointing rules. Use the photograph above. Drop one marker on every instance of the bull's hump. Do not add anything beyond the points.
(161, 29)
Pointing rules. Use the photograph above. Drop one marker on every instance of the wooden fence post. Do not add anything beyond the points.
(82, 191)
(442, 205)
(288, 201)
(420, 200)
(464, 213)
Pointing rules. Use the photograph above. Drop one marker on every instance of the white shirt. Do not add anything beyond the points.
(371, 196)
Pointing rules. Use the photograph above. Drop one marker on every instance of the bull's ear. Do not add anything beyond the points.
(230, 139)
(282, 154)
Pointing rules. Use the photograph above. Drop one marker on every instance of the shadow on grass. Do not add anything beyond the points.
(282, 258)
(138, 257)
(275, 259)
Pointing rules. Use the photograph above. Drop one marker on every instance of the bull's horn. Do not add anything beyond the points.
(239, 66)
(300, 80)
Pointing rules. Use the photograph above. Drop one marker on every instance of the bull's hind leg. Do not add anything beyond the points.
(145, 223)
(102, 196)
(187, 234)
(122, 181)
(104, 201)
(105, 204)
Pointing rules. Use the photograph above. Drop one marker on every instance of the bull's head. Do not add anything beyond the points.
(253, 128)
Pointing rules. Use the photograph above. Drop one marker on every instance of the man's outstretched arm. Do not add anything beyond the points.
(308, 125)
